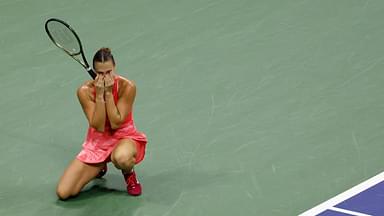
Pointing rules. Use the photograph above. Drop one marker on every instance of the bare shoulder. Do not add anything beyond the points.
(127, 85)
(85, 90)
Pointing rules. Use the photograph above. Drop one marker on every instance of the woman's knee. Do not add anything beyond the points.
(124, 156)
(124, 160)
(63, 192)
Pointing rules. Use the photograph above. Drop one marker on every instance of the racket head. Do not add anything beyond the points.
(65, 38)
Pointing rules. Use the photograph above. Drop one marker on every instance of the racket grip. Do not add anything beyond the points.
(91, 72)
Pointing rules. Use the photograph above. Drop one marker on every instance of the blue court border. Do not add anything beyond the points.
(365, 199)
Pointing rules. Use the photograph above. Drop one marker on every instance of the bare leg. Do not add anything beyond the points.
(124, 158)
(124, 155)
(75, 177)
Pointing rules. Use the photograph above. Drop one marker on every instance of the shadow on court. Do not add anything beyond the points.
(95, 192)
(163, 188)
(92, 200)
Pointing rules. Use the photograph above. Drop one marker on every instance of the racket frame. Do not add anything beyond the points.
(83, 62)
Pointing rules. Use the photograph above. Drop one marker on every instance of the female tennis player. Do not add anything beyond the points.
(112, 136)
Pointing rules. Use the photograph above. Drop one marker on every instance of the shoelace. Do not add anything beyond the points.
(132, 180)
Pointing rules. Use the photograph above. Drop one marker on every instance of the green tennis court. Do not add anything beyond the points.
(251, 107)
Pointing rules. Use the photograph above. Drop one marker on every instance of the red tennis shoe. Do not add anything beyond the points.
(133, 185)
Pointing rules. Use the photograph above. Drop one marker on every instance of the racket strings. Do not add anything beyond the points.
(64, 37)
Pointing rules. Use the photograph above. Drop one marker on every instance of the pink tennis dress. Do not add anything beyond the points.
(98, 146)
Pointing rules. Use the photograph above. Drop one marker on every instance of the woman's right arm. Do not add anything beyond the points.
(93, 110)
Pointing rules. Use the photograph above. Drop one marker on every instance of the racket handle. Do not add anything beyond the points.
(91, 72)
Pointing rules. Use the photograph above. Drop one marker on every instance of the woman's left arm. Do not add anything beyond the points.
(117, 113)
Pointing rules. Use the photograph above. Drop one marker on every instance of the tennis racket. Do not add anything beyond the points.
(64, 37)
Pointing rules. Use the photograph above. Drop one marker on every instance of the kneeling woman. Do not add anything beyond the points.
(107, 103)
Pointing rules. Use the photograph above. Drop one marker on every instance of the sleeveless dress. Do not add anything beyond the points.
(98, 146)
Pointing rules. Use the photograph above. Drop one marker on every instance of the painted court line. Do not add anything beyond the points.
(329, 204)
(348, 212)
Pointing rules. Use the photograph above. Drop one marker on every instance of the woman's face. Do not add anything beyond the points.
(105, 68)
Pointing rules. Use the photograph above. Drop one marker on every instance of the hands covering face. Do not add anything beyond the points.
(108, 83)
(103, 84)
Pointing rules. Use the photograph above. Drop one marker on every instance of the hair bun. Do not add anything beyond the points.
(106, 50)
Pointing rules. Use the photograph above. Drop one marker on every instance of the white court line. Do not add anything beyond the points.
(348, 212)
(345, 195)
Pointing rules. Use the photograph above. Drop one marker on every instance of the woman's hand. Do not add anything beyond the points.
(108, 84)
(99, 84)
